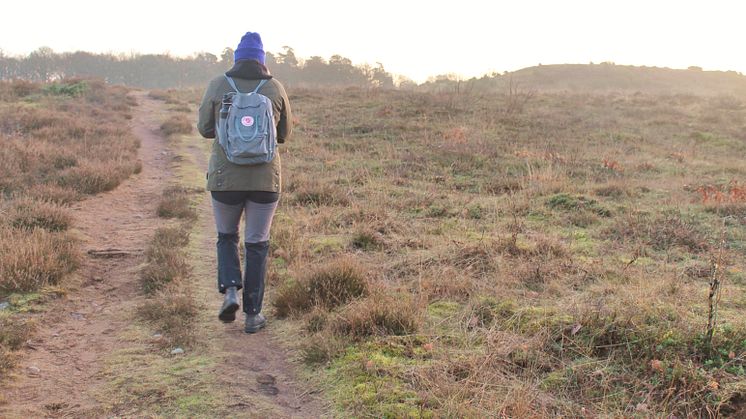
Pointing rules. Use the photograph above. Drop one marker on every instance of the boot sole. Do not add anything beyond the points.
(252, 330)
(229, 314)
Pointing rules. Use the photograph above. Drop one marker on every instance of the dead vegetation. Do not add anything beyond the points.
(176, 202)
(171, 309)
(522, 258)
(328, 287)
(176, 124)
(58, 143)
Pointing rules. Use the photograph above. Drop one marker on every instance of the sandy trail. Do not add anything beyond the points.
(79, 330)
(260, 382)
(59, 373)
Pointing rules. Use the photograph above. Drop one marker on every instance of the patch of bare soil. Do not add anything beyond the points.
(258, 377)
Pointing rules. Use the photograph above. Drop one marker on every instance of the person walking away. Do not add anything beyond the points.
(248, 113)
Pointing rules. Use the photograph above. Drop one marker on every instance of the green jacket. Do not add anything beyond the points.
(222, 175)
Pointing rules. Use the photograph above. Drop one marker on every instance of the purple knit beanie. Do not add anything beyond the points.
(250, 48)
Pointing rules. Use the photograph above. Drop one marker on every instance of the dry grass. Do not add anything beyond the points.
(65, 140)
(553, 258)
(330, 285)
(166, 260)
(14, 332)
(176, 202)
(29, 213)
(31, 259)
(171, 309)
(171, 312)
(58, 194)
(378, 315)
(177, 124)
(58, 142)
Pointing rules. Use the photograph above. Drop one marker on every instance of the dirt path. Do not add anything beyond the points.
(59, 374)
(261, 382)
(56, 377)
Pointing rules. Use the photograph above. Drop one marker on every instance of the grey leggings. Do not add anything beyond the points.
(258, 219)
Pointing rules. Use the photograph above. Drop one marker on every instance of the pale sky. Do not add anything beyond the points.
(414, 38)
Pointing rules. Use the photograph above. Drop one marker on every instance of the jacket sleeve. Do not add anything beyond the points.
(285, 125)
(206, 121)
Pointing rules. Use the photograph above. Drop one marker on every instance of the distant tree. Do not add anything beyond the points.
(270, 59)
(405, 83)
(226, 58)
(206, 58)
(40, 64)
(381, 78)
(165, 71)
(288, 57)
(694, 68)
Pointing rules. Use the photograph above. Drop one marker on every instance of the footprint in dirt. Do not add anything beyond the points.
(267, 384)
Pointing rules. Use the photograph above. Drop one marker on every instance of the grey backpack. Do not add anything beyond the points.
(246, 127)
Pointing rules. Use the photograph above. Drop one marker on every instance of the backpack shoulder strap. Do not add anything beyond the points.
(259, 86)
(232, 83)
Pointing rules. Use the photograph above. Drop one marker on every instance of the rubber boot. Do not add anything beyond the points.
(229, 263)
(255, 271)
(229, 275)
(230, 305)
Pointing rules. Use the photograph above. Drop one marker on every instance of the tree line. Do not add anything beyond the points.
(160, 71)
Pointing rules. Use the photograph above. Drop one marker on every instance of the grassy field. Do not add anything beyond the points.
(522, 255)
(58, 143)
(526, 255)
(469, 255)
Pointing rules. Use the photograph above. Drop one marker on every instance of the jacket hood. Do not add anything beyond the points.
(249, 70)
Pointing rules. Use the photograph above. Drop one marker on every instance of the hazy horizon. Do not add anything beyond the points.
(414, 39)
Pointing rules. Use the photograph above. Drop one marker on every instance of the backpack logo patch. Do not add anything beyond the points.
(247, 121)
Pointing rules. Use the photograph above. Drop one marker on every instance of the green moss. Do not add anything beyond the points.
(488, 310)
(443, 309)
(555, 380)
(535, 319)
(30, 302)
(194, 405)
(366, 383)
(327, 244)
(582, 244)
(567, 202)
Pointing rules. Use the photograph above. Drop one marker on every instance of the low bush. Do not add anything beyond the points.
(567, 202)
(14, 331)
(176, 124)
(329, 286)
(367, 239)
(172, 310)
(662, 232)
(73, 89)
(378, 315)
(176, 202)
(58, 194)
(29, 213)
(31, 259)
(322, 348)
(172, 313)
(170, 237)
(164, 266)
(93, 178)
(166, 261)
(319, 194)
